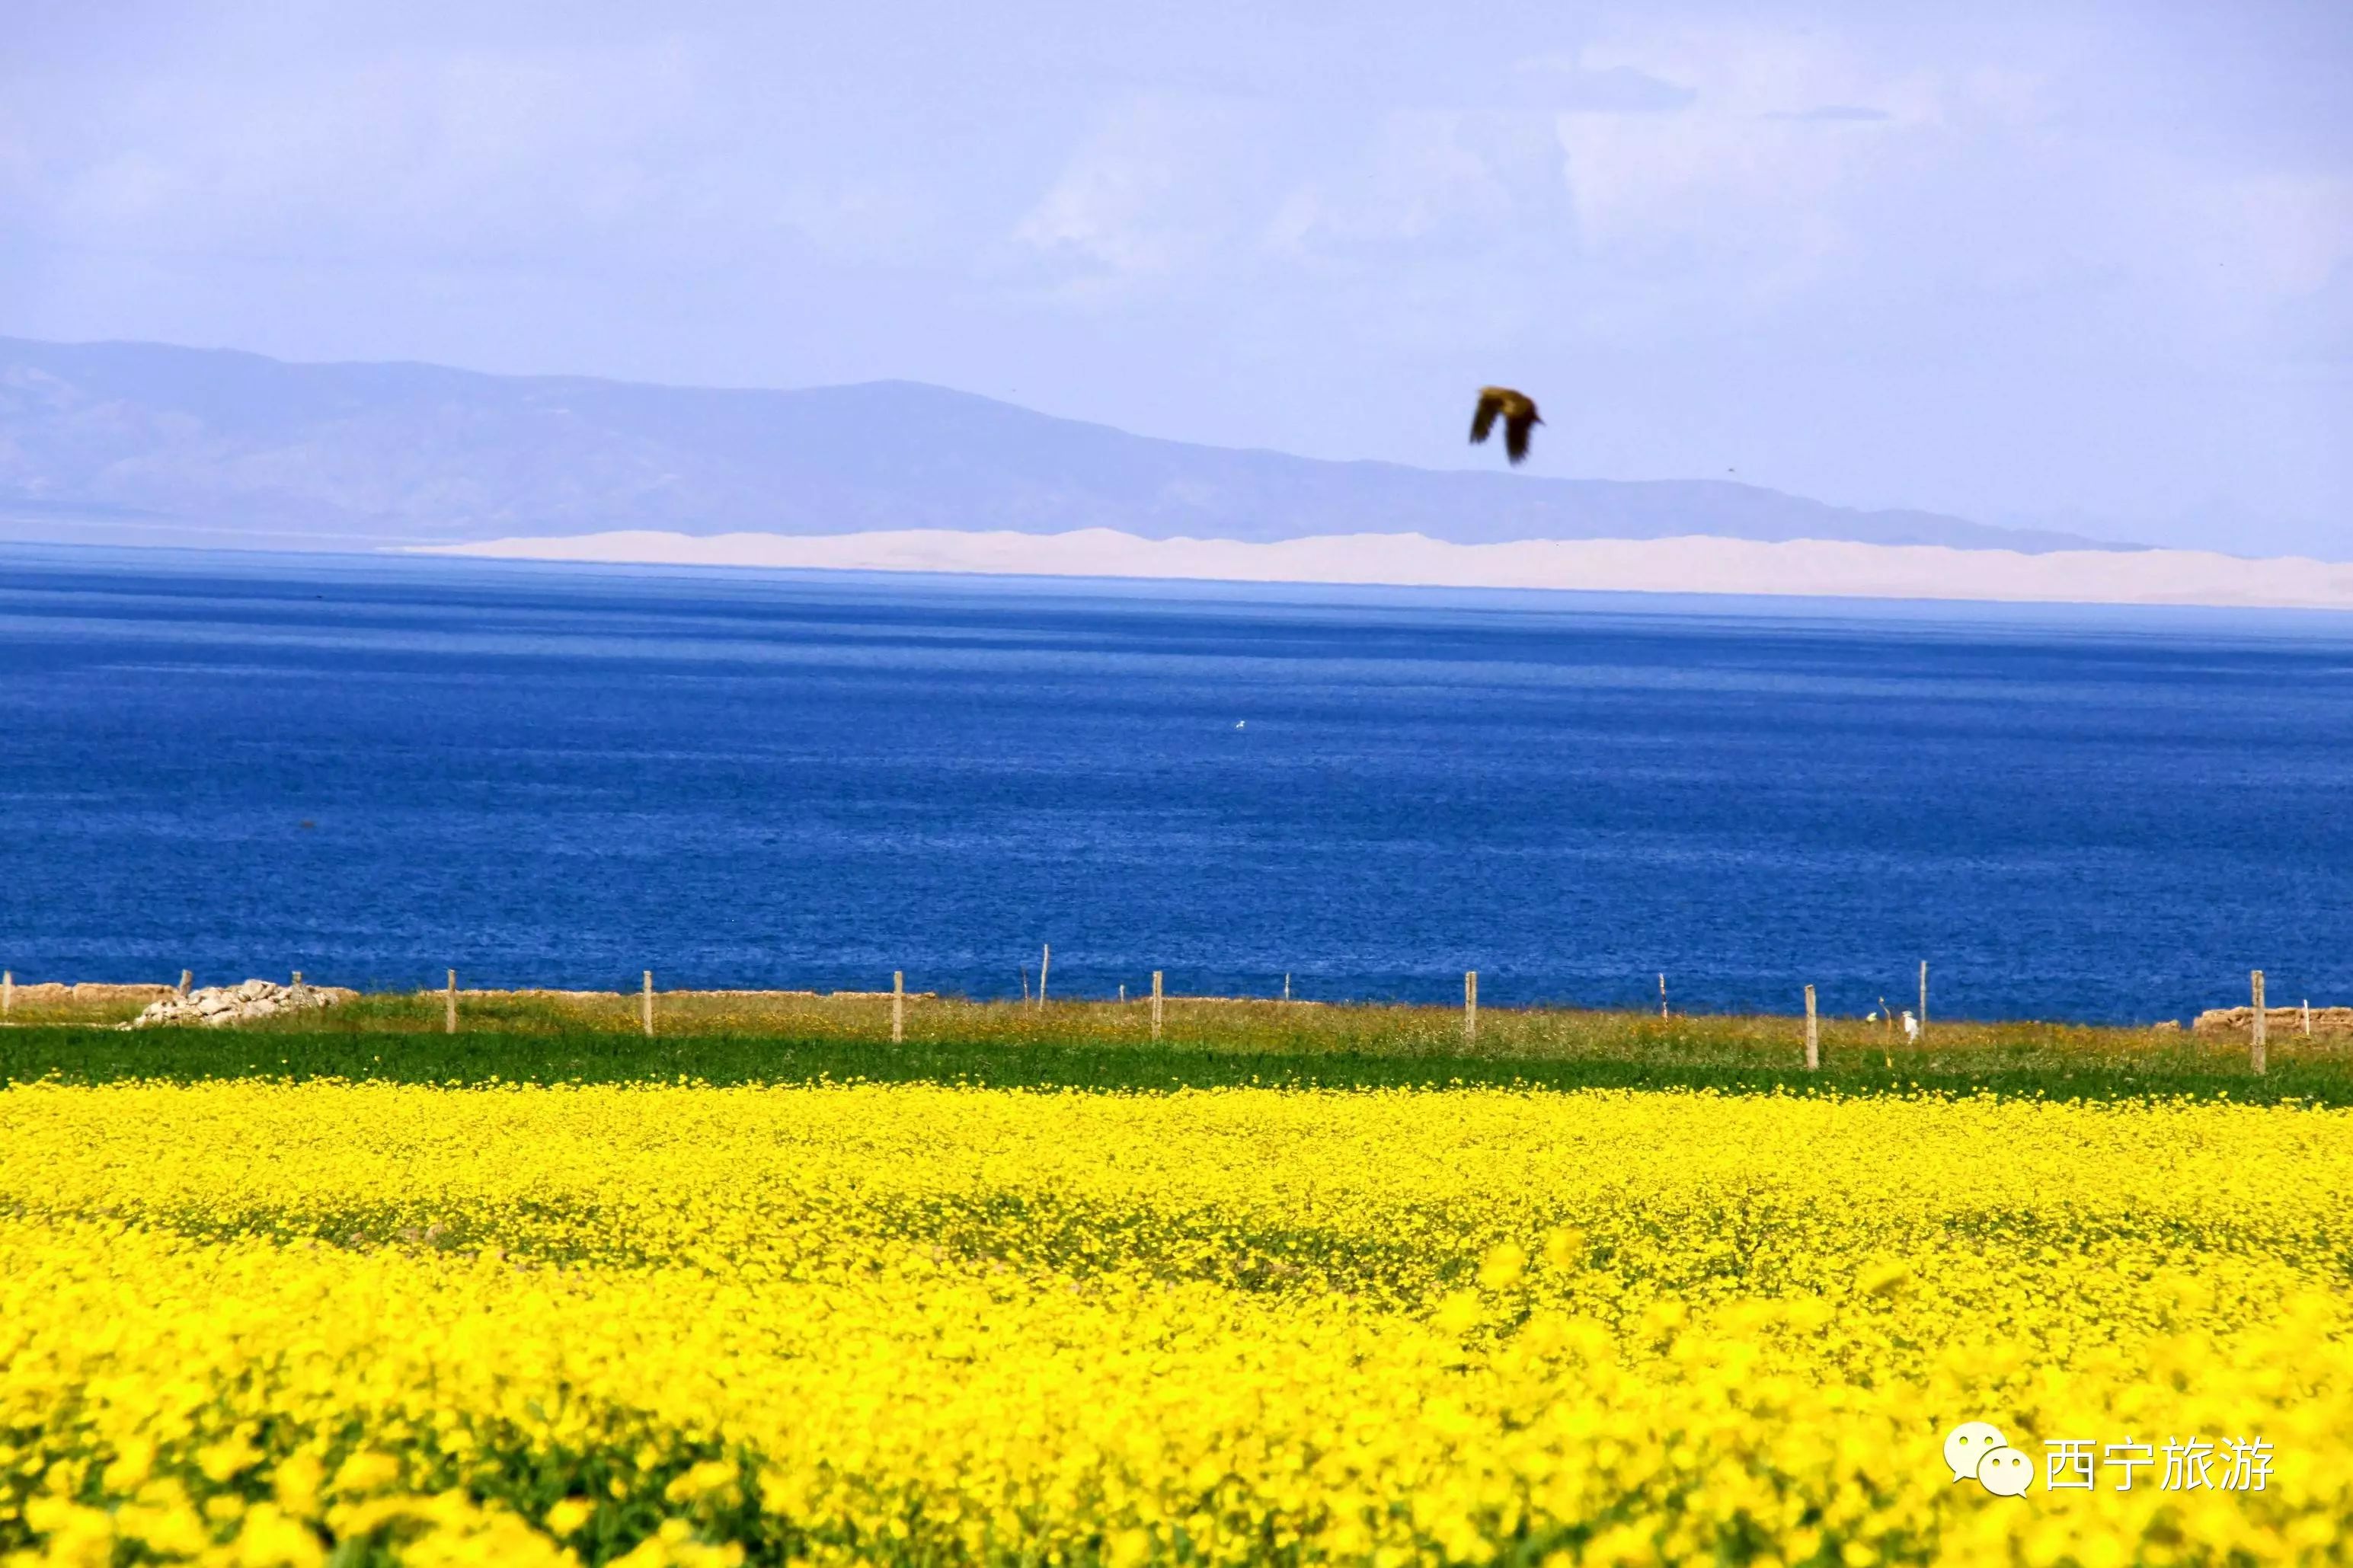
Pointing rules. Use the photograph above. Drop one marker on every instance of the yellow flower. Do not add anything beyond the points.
(568, 1516)
(701, 1481)
(161, 1518)
(135, 1457)
(297, 1484)
(363, 1472)
(1503, 1265)
(1564, 1247)
(1890, 1277)
(933, 1324)
(272, 1540)
(1459, 1313)
(226, 1459)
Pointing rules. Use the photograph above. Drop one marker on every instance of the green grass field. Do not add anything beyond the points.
(724, 1037)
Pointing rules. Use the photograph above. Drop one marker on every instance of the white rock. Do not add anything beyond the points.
(216, 1006)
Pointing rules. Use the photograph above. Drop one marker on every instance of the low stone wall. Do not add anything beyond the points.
(2276, 1021)
(550, 993)
(55, 994)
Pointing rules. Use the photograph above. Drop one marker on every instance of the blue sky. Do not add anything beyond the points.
(2090, 265)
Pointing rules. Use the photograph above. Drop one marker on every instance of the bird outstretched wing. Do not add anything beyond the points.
(1483, 418)
(1515, 435)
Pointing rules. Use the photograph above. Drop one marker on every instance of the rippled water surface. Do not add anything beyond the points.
(372, 770)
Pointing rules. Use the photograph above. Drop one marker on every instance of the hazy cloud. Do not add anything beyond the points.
(2005, 260)
(1615, 89)
(1833, 111)
(1424, 180)
(1156, 192)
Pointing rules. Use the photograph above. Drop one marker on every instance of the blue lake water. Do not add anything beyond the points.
(372, 770)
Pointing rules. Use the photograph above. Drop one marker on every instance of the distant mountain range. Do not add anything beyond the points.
(147, 443)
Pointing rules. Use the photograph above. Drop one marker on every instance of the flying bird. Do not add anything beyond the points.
(1519, 412)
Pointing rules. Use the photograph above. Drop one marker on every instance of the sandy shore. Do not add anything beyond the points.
(1685, 565)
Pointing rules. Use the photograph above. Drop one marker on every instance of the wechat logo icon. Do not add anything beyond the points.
(1977, 1451)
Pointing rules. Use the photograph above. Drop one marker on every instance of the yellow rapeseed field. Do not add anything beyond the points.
(255, 1322)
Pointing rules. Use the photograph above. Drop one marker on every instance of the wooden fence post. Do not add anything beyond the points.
(646, 1007)
(897, 1005)
(450, 1007)
(2307, 1017)
(1045, 960)
(1923, 999)
(7, 991)
(1662, 994)
(2255, 1036)
(1470, 1006)
(1813, 1035)
(1155, 1003)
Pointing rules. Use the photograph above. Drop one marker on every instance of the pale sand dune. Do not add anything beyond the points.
(1687, 566)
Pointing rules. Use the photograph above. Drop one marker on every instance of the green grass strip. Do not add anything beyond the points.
(1648, 1057)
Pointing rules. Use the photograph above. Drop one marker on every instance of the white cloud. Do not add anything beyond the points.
(1426, 179)
(1872, 253)
(452, 152)
(2294, 230)
(1157, 192)
(1736, 185)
